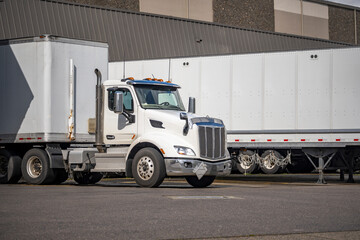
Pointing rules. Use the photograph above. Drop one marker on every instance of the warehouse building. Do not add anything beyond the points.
(134, 35)
(312, 18)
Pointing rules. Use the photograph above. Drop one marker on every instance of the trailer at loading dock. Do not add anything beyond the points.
(294, 109)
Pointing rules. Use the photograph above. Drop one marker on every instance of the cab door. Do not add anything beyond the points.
(118, 129)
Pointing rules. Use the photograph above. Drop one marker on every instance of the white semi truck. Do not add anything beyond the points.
(296, 109)
(59, 118)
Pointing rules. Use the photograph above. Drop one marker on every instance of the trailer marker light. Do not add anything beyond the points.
(133, 136)
(286, 140)
(29, 138)
(237, 140)
(338, 140)
(303, 140)
(320, 140)
(356, 140)
(253, 140)
(39, 138)
(269, 140)
(162, 150)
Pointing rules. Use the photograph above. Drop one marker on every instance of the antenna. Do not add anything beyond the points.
(169, 70)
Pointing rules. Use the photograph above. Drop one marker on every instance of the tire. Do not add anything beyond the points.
(10, 167)
(203, 182)
(35, 167)
(246, 167)
(60, 176)
(85, 178)
(268, 167)
(148, 168)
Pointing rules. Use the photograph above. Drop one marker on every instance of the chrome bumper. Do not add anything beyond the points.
(187, 167)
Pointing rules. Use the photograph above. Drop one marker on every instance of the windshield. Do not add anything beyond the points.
(159, 97)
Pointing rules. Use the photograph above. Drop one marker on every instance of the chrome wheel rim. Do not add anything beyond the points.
(269, 164)
(246, 162)
(34, 167)
(145, 168)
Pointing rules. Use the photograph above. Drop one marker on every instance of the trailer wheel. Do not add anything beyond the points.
(35, 167)
(246, 165)
(148, 168)
(60, 176)
(203, 182)
(268, 166)
(85, 178)
(10, 167)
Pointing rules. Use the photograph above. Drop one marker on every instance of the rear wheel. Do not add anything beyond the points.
(35, 167)
(148, 168)
(87, 177)
(10, 167)
(269, 165)
(246, 163)
(203, 182)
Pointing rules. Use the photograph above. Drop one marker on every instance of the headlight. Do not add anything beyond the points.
(184, 151)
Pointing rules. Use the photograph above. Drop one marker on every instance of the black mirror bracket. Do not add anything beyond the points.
(184, 116)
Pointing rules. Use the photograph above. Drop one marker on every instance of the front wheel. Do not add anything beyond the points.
(148, 168)
(84, 178)
(203, 182)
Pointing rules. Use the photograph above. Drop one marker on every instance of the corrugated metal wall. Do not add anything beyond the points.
(134, 36)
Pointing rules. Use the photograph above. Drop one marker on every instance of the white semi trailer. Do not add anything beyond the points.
(281, 109)
(59, 118)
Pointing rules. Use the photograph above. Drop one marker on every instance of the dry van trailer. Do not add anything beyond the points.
(280, 108)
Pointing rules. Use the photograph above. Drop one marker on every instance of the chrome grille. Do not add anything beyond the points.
(212, 142)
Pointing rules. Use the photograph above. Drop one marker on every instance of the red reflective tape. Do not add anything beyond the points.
(253, 140)
(28, 138)
(269, 140)
(338, 140)
(236, 140)
(39, 138)
(286, 140)
(303, 140)
(320, 140)
(21, 138)
(356, 140)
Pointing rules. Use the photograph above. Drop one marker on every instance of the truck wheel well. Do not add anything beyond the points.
(133, 153)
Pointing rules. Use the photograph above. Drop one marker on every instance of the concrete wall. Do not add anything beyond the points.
(341, 24)
(255, 14)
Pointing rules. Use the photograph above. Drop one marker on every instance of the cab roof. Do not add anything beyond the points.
(152, 83)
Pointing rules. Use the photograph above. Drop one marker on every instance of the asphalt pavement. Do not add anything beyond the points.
(251, 207)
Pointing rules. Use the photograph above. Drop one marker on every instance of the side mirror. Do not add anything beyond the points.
(118, 102)
(191, 108)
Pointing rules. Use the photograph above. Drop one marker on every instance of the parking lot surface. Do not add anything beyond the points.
(238, 207)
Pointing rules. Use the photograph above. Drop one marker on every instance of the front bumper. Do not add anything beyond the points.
(188, 167)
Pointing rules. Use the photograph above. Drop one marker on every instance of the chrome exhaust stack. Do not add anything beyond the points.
(98, 132)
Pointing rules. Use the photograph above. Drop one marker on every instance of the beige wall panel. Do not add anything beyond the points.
(316, 27)
(286, 22)
(293, 6)
(176, 8)
(201, 10)
(315, 10)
